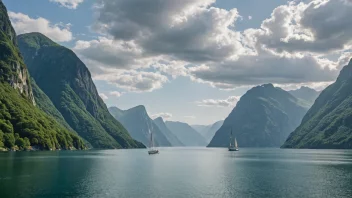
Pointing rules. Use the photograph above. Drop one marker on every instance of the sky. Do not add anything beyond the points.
(192, 60)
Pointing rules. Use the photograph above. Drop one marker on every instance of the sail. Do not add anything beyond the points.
(236, 146)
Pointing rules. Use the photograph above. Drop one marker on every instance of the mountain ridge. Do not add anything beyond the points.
(65, 79)
(327, 124)
(263, 117)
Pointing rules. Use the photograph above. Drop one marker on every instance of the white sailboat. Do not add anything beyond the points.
(233, 147)
(152, 150)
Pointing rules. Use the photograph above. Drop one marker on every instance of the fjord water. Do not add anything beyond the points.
(177, 172)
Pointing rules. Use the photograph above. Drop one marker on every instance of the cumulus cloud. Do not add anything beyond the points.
(229, 102)
(115, 94)
(134, 81)
(320, 26)
(103, 96)
(165, 116)
(266, 68)
(145, 32)
(24, 24)
(71, 4)
(193, 38)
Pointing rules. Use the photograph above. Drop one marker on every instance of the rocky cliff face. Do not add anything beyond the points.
(12, 67)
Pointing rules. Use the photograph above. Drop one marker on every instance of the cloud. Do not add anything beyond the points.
(103, 96)
(229, 102)
(190, 117)
(165, 116)
(320, 26)
(193, 38)
(250, 17)
(134, 81)
(266, 68)
(70, 4)
(115, 94)
(24, 24)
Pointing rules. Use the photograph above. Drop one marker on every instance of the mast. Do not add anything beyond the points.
(151, 140)
(231, 138)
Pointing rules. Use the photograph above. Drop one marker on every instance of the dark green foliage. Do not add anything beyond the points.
(63, 77)
(21, 122)
(328, 124)
(263, 117)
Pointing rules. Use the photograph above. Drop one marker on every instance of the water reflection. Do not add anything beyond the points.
(177, 172)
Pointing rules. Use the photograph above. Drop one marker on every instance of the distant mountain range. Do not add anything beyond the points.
(208, 131)
(140, 125)
(186, 134)
(328, 123)
(305, 93)
(172, 138)
(264, 117)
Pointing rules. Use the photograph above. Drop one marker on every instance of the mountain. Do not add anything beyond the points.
(140, 125)
(306, 94)
(328, 123)
(13, 69)
(208, 131)
(64, 78)
(22, 124)
(186, 134)
(201, 128)
(263, 117)
(166, 131)
(212, 129)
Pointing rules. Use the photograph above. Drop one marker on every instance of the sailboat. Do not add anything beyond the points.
(152, 150)
(234, 146)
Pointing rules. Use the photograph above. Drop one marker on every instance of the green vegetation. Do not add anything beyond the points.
(263, 117)
(64, 78)
(23, 125)
(328, 124)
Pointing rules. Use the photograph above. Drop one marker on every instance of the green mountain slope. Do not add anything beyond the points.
(65, 79)
(263, 117)
(22, 124)
(140, 125)
(328, 123)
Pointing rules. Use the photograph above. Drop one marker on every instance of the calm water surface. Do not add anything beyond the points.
(177, 172)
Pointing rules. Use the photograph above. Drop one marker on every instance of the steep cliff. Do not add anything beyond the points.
(65, 79)
(12, 67)
(328, 123)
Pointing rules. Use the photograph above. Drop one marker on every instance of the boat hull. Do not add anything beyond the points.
(233, 149)
(152, 152)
